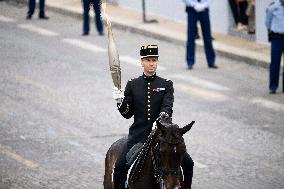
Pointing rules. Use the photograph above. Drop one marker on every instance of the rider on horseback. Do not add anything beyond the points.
(148, 97)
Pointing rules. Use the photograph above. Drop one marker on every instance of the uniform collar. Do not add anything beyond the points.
(149, 78)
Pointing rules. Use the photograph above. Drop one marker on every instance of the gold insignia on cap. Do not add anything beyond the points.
(152, 46)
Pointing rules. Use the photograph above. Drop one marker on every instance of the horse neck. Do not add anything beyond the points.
(148, 169)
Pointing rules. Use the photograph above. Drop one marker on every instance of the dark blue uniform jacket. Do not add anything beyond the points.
(146, 98)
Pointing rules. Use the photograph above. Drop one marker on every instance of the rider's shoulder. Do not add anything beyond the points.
(163, 79)
(133, 79)
(166, 80)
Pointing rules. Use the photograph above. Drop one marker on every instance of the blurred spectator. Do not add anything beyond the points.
(235, 11)
(198, 10)
(243, 4)
(251, 16)
(274, 23)
(32, 4)
(97, 9)
(197, 36)
(239, 8)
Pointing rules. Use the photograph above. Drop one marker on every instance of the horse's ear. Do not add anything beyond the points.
(186, 128)
(160, 126)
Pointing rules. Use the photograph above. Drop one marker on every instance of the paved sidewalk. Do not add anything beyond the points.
(225, 45)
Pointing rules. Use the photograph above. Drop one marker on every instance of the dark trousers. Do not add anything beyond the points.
(243, 5)
(120, 170)
(203, 18)
(97, 10)
(235, 11)
(187, 167)
(32, 4)
(277, 48)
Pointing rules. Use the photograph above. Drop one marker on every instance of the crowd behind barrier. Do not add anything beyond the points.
(243, 12)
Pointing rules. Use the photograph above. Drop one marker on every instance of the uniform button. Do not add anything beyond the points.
(149, 110)
(148, 96)
(149, 105)
(148, 118)
(148, 92)
(148, 101)
(149, 114)
(148, 83)
(149, 88)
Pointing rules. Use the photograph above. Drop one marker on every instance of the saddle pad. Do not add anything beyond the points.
(133, 153)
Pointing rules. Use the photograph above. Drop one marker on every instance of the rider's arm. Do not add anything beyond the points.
(126, 108)
(168, 100)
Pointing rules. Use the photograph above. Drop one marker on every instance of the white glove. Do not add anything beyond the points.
(199, 7)
(154, 126)
(117, 95)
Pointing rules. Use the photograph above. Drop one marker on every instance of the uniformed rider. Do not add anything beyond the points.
(147, 98)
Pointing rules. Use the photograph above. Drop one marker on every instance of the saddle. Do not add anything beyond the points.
(133, 153)
(136, 158)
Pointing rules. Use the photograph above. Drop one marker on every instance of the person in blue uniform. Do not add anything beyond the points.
(275, 26)
(147, 98)
(97, 9)
(32, 4)
(198, 10)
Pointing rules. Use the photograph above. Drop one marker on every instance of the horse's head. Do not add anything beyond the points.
(171, 152)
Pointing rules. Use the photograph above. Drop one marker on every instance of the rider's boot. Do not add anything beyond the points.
(188, 179)
(119, 178)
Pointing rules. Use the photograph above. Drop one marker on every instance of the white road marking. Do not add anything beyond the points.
(84, 45)
(199, 165)
(136, 62)
(22, 137)
(130, 60)
(73, 143)
(267, 104)
(8, 152)
(198, 92)
(11, 114)
(201, 82)
(38, 30)
(6, 19)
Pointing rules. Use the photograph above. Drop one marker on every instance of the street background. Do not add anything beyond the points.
(58, 118)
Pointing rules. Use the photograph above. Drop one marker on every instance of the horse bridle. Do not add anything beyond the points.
(160, 172)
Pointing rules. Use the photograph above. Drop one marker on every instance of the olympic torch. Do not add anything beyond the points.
(114, 63)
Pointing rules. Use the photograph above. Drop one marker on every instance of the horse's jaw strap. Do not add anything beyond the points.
(170, 171)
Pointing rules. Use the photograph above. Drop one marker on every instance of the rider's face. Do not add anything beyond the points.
(150, 65)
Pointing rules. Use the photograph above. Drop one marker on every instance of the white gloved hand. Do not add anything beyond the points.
(117, 95)
(199, 7)
(154, 126)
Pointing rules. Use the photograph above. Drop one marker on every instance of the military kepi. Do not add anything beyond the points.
(149, 51)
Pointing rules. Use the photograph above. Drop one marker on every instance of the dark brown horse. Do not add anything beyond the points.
(161, 164)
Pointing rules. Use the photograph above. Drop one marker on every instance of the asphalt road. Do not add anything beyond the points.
(58, 118)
